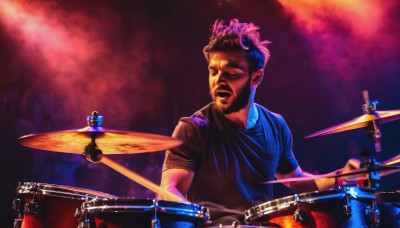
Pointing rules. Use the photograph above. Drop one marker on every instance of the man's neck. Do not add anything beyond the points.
(245, 118)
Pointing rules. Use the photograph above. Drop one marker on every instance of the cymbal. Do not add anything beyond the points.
(360, 122)
(108, 140)
(384, 170)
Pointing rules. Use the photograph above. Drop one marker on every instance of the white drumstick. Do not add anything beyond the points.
(140, 180)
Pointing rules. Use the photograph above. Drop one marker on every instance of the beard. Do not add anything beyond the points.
(239, 102)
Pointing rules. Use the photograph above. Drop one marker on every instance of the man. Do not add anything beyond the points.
(232, 145)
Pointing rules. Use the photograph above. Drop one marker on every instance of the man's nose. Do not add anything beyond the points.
(219, 78)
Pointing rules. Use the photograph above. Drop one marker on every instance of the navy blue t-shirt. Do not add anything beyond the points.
(230, 163)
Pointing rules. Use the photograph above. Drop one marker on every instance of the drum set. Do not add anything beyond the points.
(353, 205)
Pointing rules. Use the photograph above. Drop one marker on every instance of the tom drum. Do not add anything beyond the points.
(49, 205)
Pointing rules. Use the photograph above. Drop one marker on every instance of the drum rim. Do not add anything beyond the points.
(125, 204)
(62, 191)
(275, 205)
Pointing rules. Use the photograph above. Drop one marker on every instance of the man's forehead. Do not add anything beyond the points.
(228, 59)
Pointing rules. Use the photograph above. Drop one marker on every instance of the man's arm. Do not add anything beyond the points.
(317, 184)
(300, 186)
(176, 181)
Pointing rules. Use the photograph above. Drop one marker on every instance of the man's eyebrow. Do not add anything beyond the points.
(232, 65)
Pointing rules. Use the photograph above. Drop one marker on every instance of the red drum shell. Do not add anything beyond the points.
(321, 209)
(56, 204)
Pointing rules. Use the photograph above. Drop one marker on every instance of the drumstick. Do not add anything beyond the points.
(394, 160)
(140, 180)
(293, 179)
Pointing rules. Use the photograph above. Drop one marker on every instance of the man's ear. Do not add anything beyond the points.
(257, 77)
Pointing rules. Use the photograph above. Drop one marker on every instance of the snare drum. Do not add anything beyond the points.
(133, 212)
(48, 205)
(389, 206)
(344, 207)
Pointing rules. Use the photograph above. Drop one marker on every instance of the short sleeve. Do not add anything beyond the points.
(184, 156)
(287, 162)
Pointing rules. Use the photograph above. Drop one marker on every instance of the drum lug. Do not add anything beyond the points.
(299, 216)
(155, 223)
(346, 207)
(31, 208)
(85, 221)
(17, 223)
(85, 224)
(77, 214)
(373, 214)
(16, 205)
(347, 211)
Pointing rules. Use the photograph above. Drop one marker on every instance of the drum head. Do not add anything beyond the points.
(28, 188)
(128, 212)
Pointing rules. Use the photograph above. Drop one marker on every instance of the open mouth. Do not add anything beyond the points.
(223, 94)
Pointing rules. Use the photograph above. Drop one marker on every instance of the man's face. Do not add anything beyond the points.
(229, 81)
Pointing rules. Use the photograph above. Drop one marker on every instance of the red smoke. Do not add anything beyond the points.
(78, 60)
(347, 39)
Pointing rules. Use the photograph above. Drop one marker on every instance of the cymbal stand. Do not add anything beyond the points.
(369, 162)
(92, 152)
(373, 176)
(373, 129)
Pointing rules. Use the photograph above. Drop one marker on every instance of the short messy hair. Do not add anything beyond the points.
(238, 37)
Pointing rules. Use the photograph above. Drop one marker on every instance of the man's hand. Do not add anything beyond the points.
(350, 165)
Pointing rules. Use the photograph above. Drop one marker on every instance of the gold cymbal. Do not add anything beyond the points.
(360, 122)
(108, 140)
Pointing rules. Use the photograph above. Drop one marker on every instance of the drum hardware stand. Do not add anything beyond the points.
(370, 163)
(373, 177)
(155, 222)
(372, 182)
(92, 152)
(299, 215)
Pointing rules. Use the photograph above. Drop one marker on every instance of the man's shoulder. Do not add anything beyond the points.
(201, 118)
(276, 117)
(274, 120)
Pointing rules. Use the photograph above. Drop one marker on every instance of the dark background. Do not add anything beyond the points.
(139, 63)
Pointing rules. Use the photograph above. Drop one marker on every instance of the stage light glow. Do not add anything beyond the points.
(363, 17)
(73, 53)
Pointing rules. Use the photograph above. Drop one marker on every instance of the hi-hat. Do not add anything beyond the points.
(360, 122)
(108, 140)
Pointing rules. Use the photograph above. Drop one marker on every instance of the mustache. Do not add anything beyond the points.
(224, 87)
